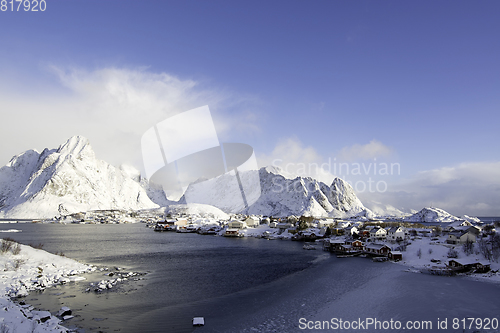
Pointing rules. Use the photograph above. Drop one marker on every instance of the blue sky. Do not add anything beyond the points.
(414, 83)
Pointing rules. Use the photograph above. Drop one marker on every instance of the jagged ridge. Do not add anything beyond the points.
(282, 195)
(65, 180)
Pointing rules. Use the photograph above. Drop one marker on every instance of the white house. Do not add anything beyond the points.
(235, 224)
(252, 222)
(351, 230)
(378, 233)
(397, 234)
(461, 237)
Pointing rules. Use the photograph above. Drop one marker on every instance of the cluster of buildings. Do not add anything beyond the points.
(370, 240)
(378, 239)
(110, 216)
(461, 232)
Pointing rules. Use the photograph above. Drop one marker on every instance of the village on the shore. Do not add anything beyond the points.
(463, 246)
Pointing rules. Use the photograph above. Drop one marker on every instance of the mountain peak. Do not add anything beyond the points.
(276, 170)
(77, 146)
(340, 182)
(432, 214)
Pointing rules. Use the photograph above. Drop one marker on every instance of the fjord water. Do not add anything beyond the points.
(239, 285)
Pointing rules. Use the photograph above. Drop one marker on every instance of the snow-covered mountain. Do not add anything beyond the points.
(385, 210)
(431, 214)
(201, 210)
(66, 180)
(283, 195)
(70, 179)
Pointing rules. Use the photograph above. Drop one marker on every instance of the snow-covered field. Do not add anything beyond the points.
(24, 269)
(420, 252)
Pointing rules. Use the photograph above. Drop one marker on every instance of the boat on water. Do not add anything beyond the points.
(164, 226)
(187, 229)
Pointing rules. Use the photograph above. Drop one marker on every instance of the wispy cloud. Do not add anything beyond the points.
(371, 150)
(112, 107)
(467, 188)
(297, 159)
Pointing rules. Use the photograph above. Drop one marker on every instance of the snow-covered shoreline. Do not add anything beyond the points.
(26, 269)
(433, 252)
(438, 252)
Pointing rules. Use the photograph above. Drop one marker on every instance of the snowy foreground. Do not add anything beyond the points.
(32, 269)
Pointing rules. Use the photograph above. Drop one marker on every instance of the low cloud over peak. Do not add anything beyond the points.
(371, 150)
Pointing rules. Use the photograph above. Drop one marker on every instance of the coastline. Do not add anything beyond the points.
(437, 251)
(33, 269)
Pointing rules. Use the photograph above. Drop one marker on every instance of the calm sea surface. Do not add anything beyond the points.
(238, 285)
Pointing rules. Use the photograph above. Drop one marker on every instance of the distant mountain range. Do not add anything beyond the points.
(71, 179)
(283, 195)
(437, 215)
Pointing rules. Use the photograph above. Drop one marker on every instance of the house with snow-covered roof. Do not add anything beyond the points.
(395, 255)
(335, 243)
(252, 221)
(356, 243)
(396, 234)
(378, 233)
(457, 225)
(377, 249)
(235, 224)
(461, 237)
(351, 230)
(466, 264)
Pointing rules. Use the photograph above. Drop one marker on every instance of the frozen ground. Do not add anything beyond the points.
(32, 269)
(438, 250)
